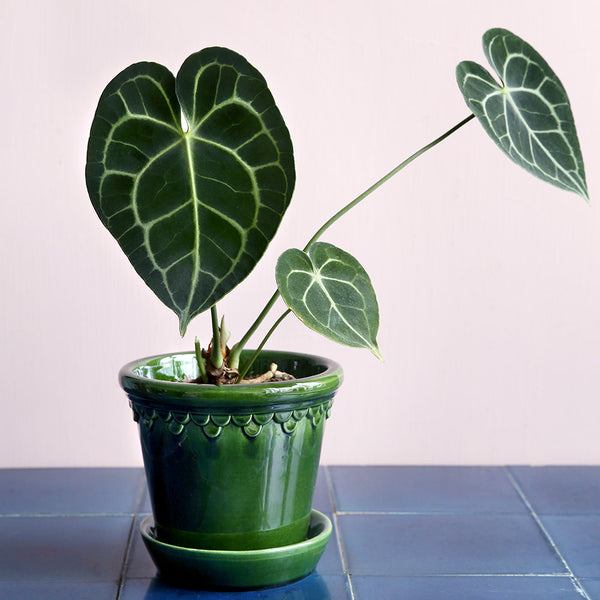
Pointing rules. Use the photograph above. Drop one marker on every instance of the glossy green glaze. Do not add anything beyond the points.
(238, 569)
(231, 467)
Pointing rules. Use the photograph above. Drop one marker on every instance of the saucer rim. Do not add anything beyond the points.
(315, 517)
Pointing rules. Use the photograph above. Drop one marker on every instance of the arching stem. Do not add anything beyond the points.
(247, 366)
(236, 350)
(385, 178)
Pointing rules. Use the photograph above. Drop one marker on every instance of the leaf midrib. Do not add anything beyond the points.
(534, 135)
(505, 92)
(196, 202)
(508, 98)
(317, 279)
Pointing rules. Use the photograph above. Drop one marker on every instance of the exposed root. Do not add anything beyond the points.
(227, 376)
(273, 374)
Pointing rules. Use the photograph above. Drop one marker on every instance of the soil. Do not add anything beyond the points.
(227, 376)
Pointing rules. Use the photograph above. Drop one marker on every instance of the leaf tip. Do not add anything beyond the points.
(586, 196)
(375, 350)
(183, 324)
(581, 190)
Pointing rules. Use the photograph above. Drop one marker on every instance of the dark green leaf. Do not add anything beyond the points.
(330, 292)
(528, 114)
(193, 208)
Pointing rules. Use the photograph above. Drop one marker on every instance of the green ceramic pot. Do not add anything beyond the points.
(231, 467)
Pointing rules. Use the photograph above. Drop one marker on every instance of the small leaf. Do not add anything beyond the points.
(194, 207)
(528, 115)
(330, 292)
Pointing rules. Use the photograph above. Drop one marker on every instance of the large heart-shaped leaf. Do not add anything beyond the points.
(528, 115)
(195, 206)
(330, 292)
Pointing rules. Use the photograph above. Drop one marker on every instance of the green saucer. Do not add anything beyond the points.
(209, 569)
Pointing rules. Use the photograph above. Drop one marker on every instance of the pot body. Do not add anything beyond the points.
(231, 467)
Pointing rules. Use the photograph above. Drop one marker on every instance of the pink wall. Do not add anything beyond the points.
(488, 280)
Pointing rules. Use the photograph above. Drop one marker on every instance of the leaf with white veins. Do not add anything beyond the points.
(330, 292)
(528, 114)
(193, 207)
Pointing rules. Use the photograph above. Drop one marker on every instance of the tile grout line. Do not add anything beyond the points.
(434, 575)
(63, 515)
(427, 513)
(337, 531)
(138, 502)
(576, 584)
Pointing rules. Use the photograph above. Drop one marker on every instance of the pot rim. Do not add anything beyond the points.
(320, 386)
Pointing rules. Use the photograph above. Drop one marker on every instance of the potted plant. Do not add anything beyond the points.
(192, 176)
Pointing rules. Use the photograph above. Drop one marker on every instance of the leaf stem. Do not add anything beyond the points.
(216, 356)
(385, 178)
(236, 350)
(200, 360)
(247, 366)
(234, 354)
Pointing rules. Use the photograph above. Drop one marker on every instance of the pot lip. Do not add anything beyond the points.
(322, 385)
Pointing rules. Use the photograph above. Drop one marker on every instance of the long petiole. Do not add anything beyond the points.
(247, 366)
(385, 178)
(234, 355)
(240, 345)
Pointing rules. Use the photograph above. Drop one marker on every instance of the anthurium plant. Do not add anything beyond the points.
(192, 174)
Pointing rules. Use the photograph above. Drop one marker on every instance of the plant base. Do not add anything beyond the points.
(232, 569)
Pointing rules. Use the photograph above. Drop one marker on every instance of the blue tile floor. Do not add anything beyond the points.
(418, 533)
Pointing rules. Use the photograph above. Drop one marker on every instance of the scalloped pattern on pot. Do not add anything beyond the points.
(213, 425)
